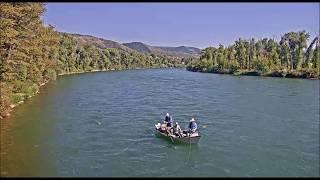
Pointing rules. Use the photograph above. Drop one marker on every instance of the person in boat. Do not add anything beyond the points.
(168, 120)
(192, 126)
(167, 124)
(177, 130)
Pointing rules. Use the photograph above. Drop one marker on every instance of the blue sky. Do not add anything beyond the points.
(190, 24)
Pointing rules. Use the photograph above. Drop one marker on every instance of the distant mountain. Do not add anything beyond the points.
(181, 51)
(138, 46)
(99, 42)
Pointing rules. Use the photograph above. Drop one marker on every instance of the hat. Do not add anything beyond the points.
(177, 123)
(167, 114)
(192, 120)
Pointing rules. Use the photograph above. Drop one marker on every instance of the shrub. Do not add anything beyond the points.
(31, 90)
(261, 65)
(233, 65)
(50, 74)
(17, 97)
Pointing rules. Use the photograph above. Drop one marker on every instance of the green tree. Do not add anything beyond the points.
(240, 52)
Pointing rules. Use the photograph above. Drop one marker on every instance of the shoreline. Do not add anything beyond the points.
(277, 74)
(107, 70)
(12, 106)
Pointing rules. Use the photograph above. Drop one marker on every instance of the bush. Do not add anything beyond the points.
(233, 65)
(261, 65)
(5, 98)
(20, 86)
(25, 87)
(50, 74)
(31, 90)
(17, 97)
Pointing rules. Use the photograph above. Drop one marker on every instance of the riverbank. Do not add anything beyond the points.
(283, 74)
(103, 70)
(21, 98)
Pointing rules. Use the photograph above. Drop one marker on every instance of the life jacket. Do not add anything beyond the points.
(177, 128)
(193, 125)
(167, 118)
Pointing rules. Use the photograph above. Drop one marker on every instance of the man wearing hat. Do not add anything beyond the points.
(192, 126)
(167, 123)
(168, 120)
(177, 130)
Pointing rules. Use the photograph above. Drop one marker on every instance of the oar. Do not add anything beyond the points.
(171, 138)
(169, 135)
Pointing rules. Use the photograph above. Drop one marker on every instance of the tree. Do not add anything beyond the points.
(285, 52)
(221, 57)
(309, 53)
(297, 41)
(252, 53)
(273, 56)
(262, 55)
(316, 57)
(240, 53)
(302, 44)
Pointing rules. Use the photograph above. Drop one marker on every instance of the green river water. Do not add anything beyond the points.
(102, 124)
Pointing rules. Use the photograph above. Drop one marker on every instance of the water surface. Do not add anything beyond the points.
(102, 124)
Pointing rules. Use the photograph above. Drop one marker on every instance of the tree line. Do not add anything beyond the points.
(291, 55)
(33, 53)
(73, 57)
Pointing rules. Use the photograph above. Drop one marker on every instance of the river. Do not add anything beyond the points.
(102, 124)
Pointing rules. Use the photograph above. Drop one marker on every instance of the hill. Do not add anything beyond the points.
(98, 42)
(181, 51)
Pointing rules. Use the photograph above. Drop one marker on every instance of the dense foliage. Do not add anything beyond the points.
(73, 57)
(32, 54)
(290, 56)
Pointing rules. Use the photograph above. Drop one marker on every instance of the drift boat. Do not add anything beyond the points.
(188, 139)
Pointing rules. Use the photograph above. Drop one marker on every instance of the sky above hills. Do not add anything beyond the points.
(190, 24)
